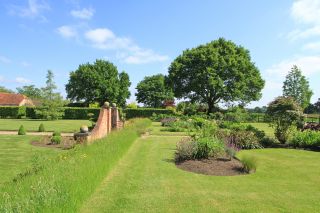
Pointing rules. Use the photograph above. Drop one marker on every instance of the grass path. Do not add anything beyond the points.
(146, 180)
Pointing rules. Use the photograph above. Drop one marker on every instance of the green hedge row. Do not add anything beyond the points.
(12, 111)
(145, 112)
(74, 113)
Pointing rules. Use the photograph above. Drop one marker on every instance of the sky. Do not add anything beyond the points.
(143, 37)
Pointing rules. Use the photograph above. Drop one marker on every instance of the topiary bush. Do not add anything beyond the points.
(41, 128)
(186, 149)
(21, 130)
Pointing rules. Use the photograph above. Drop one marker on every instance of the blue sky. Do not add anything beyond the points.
(142, 37)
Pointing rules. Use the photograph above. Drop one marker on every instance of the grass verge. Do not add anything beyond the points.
(63, 183)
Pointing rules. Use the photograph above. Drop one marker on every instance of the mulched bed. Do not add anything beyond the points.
(67, 143)
(216, 167)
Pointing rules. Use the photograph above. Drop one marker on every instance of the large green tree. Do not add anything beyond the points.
(297, 86)
(30, 91)
(98, 82)
(219, 71)
(152, 91)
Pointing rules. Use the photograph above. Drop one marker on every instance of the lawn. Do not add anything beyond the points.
(265, 127)
(33, 125)
(147, 180)
(16, 154)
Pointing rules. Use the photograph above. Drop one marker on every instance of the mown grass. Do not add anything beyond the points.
(16, 155)
(264, 127)
(33, 125)
(147, 180)
(63, 183)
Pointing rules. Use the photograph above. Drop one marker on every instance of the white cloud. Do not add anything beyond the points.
(127, 50)
(305, 33)
(85, 13)
(4, 60)
(22, 80)
(309, 65)
(25, 64)
(273, 85)
(315, 46)
(144, 56)
(306, 11)
(67, 31)
(34, 9)
(1, 78)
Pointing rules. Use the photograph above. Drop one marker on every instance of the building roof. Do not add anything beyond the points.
(11, 99)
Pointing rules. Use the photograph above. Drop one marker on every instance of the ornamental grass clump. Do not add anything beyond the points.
(249, 163)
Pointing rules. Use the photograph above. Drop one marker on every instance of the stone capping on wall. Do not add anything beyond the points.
(108, 120)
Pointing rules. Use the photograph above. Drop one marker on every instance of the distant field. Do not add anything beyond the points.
(33, 125)
(265, 127)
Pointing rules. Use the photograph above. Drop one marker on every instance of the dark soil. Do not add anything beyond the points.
(66, 143)
(217, 167)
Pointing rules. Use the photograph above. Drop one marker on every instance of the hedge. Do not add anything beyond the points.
(12, 111)
(74, 113)
(145, 112)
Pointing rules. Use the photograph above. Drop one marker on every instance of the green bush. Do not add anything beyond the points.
(305, 139)
(56, 133)
(41, 128)
(243, 139)
(186, 149)
(80, 112)
(208, 147)
(12, 111)
(21, 130)
(268, 141)
(145, 112)
(249, 163)
(56, 139)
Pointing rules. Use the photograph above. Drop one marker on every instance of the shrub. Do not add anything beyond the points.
(305, 139)
(168, 121)
(243, 139)
(186, 149)
(268, 141)
(284, 113)
(56, 139)
(21, 130)
(12, 111)
(41, 128)
(56, 133)
(249, 163)
(231, 150)
(208, 147)
(80, 113)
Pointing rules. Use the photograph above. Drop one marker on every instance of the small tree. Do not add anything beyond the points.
(297, 86)
(52, 103)
(284, 113)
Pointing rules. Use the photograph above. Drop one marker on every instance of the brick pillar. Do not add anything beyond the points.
(109, 120)
(115, 117)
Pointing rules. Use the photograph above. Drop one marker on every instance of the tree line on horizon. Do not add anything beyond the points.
(219, 72)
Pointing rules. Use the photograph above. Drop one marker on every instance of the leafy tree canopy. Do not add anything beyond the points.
(6, 90)
(152, 91)
(30, 91)
(219, 71)
(98, 82)
(297, 86)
